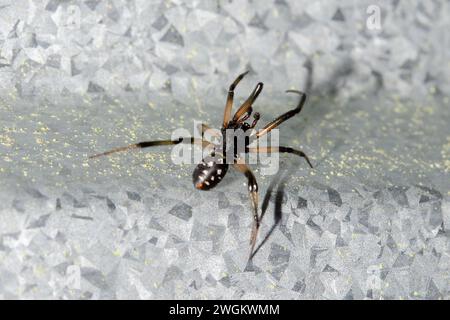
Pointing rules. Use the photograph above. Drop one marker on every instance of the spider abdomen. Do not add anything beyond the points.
(208, 174)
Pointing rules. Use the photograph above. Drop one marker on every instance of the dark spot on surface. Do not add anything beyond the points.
(87, 295)
(403, 260)
(286, 232)
(160, 23)
(111, 206)
(436, 254)
(349, 295)
(363, 217)
(424, 198)
(172, 273)
(76, 216)
(58, 204)
(52, 5)
(225, 281)
(334, 197)
(329, 268)
(210, 279)
(302, 203)
(340, 242)
(391, 243)
(93, 87)
(133, 196)
(378, 195)
(182, 211)
(399, 195)
(299, 286)
(278, 255)
(348, 215)
(39, 222)
(92, 4)
(173, 36)
(193, 285)
(78, 204)
(233, 220)
(128, 35)
(60, 237)
(431, 191)
(35, 193)
(314, 226)
(338, 16)
(257, 22)
(154, 224)
(61, 268)
(94, 277)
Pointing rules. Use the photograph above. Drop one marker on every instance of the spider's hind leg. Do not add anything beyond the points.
(253, 192)
(280, 149)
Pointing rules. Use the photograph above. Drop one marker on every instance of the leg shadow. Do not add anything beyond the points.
(279, 182)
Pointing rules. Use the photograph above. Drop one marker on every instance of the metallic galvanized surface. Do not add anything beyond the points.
(372, 220)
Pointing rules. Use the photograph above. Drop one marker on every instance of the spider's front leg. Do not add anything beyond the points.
(247, 105)
(229, 104)
(147, 144)
(253, 192)
(275, 123)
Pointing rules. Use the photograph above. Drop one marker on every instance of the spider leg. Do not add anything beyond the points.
(253, 192)
(280, 149)
(275, 123)
(247, 115)
(229, 104)
(146, 144)
(256, 117)
(247, 105)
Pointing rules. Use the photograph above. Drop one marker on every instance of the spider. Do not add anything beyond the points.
(210, 171)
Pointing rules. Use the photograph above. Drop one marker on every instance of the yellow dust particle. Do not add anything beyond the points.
(6, 141)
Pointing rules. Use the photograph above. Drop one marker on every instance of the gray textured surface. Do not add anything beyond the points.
(372, 220)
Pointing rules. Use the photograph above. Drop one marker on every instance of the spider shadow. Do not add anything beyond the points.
(323, 93)
(279, 183)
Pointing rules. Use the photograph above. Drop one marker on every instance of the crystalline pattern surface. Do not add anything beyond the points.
(372, 220)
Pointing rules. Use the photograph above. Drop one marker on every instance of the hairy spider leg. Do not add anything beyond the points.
(275, 123)
(253, 192)
(247, 105)
(280, 149)
(229, 104)
(146, 144)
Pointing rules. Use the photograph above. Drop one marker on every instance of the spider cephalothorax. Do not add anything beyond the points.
(211, 170)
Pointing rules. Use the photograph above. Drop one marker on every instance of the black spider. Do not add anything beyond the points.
(213, 168)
